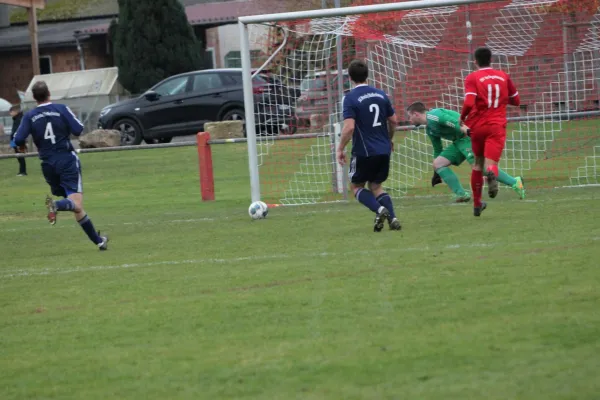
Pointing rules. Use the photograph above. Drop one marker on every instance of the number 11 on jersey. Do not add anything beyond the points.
(497, 95)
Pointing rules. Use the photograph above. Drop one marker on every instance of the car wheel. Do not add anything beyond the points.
(293, 129)
(272, 130)
(236, 114)
(131, 134)
(159, 141)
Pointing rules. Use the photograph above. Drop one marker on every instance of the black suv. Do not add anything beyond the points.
(182, 104)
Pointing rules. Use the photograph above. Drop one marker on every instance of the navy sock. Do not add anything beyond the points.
(385, 200)
(88, 228)
(367, 198)
(64, 205)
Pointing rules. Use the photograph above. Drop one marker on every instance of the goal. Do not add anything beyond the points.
(419, 51)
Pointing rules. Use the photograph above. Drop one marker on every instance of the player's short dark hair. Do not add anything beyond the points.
(15, 108)
(40, 91)
(358, 71)
(417, 106)
(483, 57)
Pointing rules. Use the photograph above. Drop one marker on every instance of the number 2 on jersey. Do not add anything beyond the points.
(49, 133)
(491, 93)
(375, 108)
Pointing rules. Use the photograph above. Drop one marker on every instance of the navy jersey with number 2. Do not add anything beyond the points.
(370, 108)
(51, 126)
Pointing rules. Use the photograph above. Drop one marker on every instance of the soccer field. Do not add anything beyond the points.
(195, 301)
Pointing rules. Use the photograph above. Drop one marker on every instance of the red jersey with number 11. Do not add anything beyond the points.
(487, 92)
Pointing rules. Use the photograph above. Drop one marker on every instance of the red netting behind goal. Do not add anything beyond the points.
(551, 49)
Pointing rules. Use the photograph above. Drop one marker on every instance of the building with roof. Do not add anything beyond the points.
(73, 35)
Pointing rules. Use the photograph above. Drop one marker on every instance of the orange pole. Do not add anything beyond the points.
(207, 181)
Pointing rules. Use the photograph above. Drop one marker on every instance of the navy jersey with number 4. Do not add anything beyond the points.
(50, 125)
(370, 108)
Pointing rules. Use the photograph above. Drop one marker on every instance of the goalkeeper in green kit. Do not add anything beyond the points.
(445, 124)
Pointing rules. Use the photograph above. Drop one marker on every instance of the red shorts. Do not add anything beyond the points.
(488, 141)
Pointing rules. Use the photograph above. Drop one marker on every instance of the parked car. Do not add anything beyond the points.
(313, 98)
(182, 104)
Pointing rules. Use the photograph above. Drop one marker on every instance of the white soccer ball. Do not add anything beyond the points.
(258, 210)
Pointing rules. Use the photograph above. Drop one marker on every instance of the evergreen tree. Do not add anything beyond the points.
(152, 41)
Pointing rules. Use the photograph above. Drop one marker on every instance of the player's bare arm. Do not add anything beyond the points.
(347, 131)
(392, 124)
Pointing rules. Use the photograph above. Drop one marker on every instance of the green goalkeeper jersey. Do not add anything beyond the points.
(442, 124)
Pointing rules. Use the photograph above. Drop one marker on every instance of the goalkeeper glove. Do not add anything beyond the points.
(13, 145)
(436, 180)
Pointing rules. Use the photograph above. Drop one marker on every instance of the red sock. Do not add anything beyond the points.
(494, 169)
(476, 185)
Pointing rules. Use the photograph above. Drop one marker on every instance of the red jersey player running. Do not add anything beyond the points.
(487, 92)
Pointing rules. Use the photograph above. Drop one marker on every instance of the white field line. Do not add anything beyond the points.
(282, 256)
(397, 206)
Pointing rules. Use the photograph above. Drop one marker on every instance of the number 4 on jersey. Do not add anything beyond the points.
(49, 133)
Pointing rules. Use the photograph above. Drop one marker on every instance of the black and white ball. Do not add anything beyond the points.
(258, 210)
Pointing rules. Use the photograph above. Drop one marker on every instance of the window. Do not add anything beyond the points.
(233, 59)
(319, 83)
(204, 82)
(172, 86)
(45, 65)
(235, 78)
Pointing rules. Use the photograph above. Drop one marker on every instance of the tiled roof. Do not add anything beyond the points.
(60, 10)
(223, 12)
(49, 34)
(56, 33)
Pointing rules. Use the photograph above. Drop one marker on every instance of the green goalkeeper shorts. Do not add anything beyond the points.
(459, 151)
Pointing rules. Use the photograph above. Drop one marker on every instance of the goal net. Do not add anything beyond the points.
(551, 49)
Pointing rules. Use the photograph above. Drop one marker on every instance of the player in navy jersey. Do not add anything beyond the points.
(51, 125)
(370, 121)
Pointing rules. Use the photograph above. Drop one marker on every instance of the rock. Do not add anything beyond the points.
(5, 149)
(100, 138)
(225, 129)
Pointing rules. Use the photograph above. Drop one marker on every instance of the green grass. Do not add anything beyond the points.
(194, 301)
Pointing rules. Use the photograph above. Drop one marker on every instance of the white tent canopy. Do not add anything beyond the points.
(76, 84)
(4, 105)
(85, 92)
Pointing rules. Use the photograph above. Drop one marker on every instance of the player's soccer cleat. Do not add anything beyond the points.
(492, 184)
(519, 187)
(51, 210)
(465, 198)
(394, 224)
(478, 210)
(382, 215)
(104, 245)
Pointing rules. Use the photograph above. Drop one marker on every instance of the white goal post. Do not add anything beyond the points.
(243, 23)
(417, 50)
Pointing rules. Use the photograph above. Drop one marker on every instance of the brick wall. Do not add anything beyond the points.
(434, 70)
(212, 41)
(16, 71)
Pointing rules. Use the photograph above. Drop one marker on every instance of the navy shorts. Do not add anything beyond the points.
(373, 169)
(63, 174)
